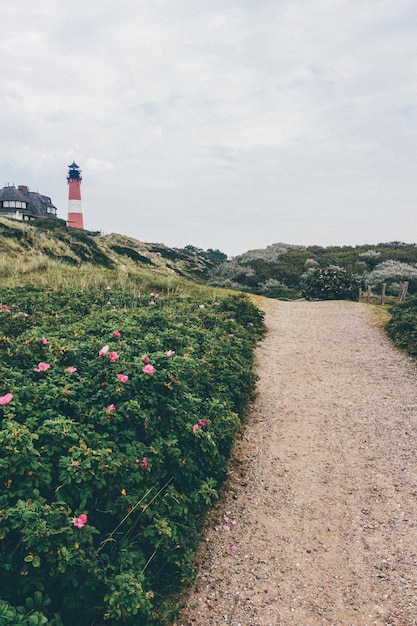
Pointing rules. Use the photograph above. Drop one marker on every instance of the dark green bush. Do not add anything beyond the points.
(402, 326)
(107, 468)
(331, 283)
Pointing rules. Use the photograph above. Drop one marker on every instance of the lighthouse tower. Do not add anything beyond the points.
(75, 213)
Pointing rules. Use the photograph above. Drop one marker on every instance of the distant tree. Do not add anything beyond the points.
(215, 255)
(193, 250)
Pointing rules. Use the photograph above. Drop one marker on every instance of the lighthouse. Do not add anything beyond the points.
(75, 212)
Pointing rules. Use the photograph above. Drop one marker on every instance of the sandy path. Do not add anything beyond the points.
(323, 488)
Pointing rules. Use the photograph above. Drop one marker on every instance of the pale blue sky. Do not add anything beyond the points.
(223, 124)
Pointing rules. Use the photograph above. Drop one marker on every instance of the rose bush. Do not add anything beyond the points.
(104, 477)
(331, 283)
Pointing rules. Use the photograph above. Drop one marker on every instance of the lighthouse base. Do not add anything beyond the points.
(75, 220)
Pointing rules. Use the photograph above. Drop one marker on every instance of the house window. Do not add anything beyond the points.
(51, 210)
(14, 204)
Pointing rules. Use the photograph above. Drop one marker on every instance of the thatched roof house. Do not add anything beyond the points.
(22, 204)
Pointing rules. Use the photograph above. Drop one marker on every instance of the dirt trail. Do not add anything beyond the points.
(323, 488)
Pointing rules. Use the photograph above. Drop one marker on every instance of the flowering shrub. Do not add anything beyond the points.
(393, 273)
(330, 283)
(104, 476)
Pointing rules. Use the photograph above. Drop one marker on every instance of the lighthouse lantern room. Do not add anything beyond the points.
(75, 214)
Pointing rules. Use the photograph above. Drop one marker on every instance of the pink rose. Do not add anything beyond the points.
(113, 356)
(45, 341)
(122, 377)
(195, 428)
(170, 352)
(111, 408)
(71, 369)
(81, 520)
(103, 350)
(42, 367)
(148, 369)
(6, 399)
(117, 334)
(145, 358)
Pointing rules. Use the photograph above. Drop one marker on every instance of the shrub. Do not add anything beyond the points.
(393, 273)
(117, 415)
(331, 283)
(402, 326)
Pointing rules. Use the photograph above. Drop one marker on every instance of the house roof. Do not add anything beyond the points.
(36, 203)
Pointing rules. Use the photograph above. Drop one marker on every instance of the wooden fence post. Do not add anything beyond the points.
(403, 292)
(384, 286)
(368, 297)
(360, 295)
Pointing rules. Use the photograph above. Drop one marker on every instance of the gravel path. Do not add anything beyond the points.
(320, 508)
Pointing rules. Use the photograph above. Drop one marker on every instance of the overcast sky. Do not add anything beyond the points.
(229, 124)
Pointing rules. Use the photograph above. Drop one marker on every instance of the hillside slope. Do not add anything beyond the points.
(54, 240)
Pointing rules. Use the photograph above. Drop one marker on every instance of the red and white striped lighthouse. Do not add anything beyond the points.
(75, 212)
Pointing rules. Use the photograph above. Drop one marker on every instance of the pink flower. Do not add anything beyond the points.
(111, 408)
(103, 350)
(195, 428)
(170, 352)
(6, 399)
(201, 306)
(45, 341)
(225, 527)
(117, 334)
(81, 520)
(233, 548)
(202, 423)
(113, 356)
(144, 463)
(145, 358)
(148, 369)
(122, 377)
(231, 335)
(71, 369)
(42, 367)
